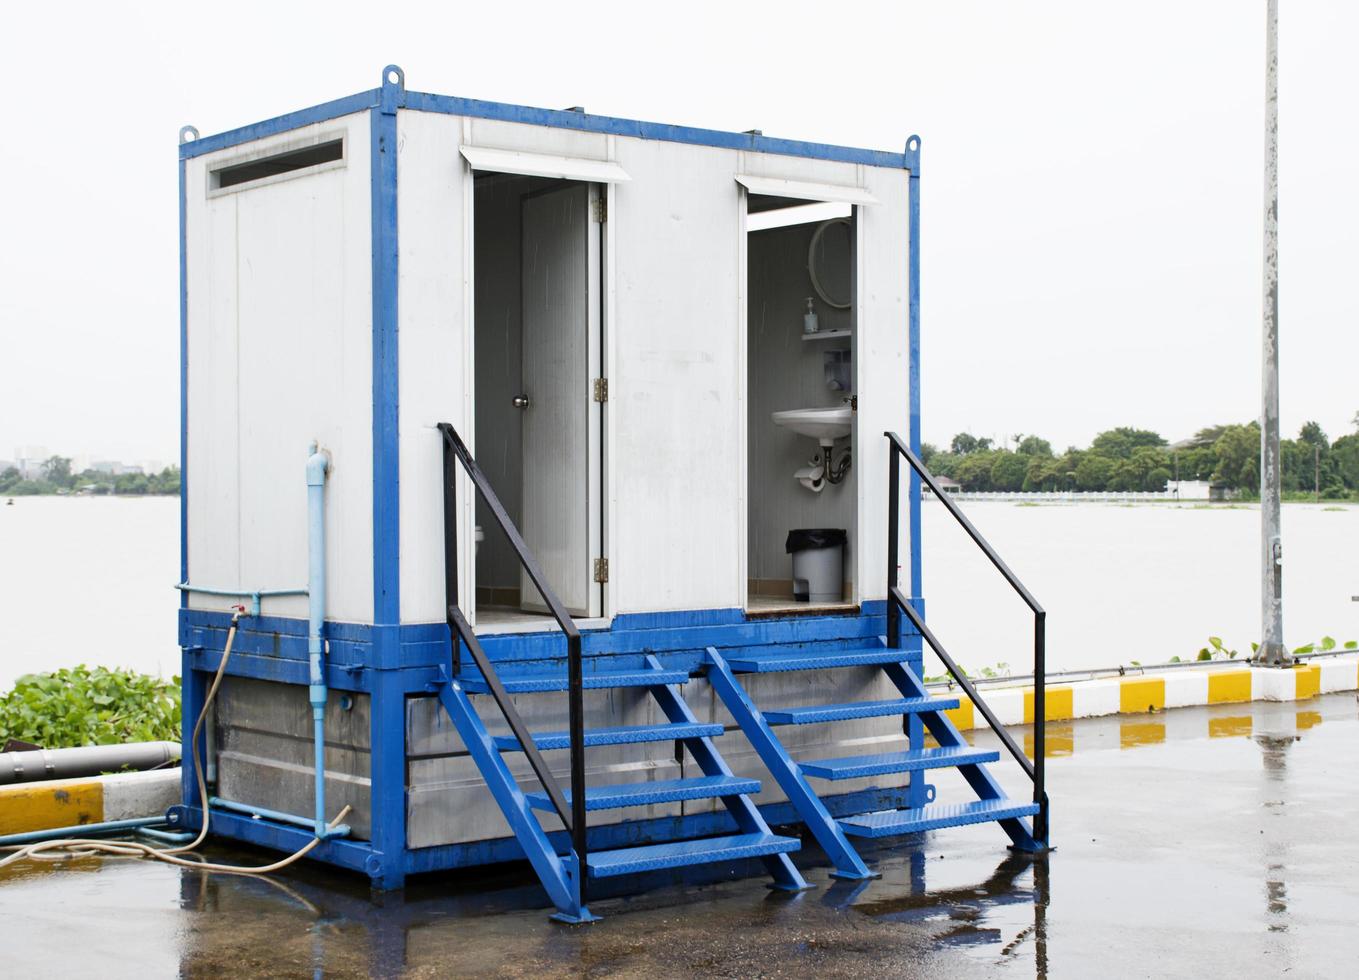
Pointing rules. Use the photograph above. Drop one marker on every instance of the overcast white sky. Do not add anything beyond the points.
(1091, 181)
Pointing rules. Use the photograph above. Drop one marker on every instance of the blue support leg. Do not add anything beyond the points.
(748, 818)
(814, 814)
(948, 736)
(387, 865)
(193, 689)
(557, 875)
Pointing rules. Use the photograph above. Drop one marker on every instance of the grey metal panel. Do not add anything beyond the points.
(448, 801)
(265, 750)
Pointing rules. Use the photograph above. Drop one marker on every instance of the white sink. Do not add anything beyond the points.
(823, 424)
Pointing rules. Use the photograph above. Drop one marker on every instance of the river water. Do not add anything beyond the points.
(90, 579)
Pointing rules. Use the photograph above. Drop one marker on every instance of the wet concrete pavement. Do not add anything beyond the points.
(1197, 842)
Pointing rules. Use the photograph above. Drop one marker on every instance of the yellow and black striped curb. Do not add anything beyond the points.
(1177, 688)
(54, 803)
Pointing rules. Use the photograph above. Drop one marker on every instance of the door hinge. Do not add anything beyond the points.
(601, 570)
(601, 389)
(601, 209)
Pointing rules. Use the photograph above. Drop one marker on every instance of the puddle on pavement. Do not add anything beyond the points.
(954, 902)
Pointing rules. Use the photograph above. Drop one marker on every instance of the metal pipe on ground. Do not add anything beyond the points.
(87, 760)
(82, 831)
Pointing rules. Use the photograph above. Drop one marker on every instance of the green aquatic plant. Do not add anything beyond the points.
(90, 706)
(1325, 645)
(1216, 650)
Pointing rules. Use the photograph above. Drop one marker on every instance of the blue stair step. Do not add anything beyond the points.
(766, 663)
(661, 791)
(614, 736)
(854, 767)
(655, 857)
(890, 823)
(595, 679)
(813, 713)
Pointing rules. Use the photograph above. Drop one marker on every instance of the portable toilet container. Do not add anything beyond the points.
(496, 421)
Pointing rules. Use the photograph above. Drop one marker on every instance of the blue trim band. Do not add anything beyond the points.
(556, 118)
(281, 124)
(275, 648)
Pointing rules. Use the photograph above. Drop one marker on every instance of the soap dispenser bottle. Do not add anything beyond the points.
(809, 324)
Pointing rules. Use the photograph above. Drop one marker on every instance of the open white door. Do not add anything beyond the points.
(561, 419)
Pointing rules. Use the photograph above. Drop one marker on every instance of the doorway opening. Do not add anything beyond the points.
(538, 326)
(802, 501)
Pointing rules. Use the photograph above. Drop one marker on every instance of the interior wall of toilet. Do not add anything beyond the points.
(498, 288)
(785, 371)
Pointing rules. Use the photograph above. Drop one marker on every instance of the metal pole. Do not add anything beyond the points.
(1272, 651)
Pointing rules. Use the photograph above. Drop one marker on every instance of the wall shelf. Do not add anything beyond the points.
(829, 334)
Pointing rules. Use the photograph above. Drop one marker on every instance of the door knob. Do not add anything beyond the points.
(521, 401)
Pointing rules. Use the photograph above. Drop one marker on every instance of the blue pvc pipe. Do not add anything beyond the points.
(278, 816)
(165, 836)
(318, 463)
(79, 831)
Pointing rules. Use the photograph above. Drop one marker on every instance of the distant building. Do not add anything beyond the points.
(945, 484)
(1189, 489)
(29, 460)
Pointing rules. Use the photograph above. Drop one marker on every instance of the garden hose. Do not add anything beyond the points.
(85, 847)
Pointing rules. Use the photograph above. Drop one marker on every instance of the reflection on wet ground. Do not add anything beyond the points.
(1197, 842)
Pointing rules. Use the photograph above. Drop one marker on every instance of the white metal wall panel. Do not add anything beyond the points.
(435, 354)
(280, 313)
(535, 139)
(213, 458)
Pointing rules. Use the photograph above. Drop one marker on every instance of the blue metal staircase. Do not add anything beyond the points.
(558, 873)
(566, 876)
(952, 752)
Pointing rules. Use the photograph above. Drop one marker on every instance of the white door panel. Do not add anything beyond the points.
(560, 444)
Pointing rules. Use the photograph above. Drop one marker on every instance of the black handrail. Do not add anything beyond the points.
(1036, 769)
(573, 817)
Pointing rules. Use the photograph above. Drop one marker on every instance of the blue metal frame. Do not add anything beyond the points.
(556, 118)
(388, 750)
(915, 731)
(392, 661)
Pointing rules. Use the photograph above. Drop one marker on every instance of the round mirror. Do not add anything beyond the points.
(828, 262)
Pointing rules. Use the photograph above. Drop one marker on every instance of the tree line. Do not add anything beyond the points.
(1129, 459)
(57, 477)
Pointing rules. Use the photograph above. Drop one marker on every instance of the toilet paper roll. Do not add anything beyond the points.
(810, 477)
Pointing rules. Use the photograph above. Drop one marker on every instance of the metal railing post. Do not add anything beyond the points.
(1040, 725)
(576, 707)
(451, 549)
(893, 536)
